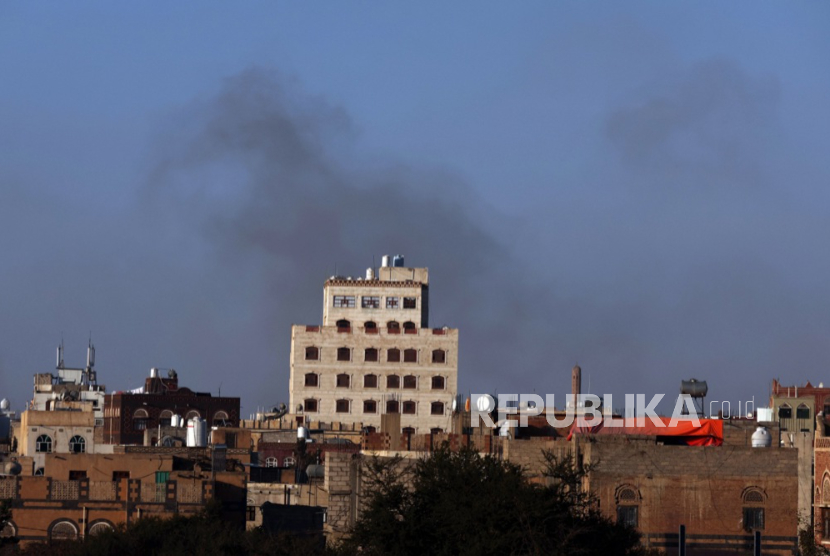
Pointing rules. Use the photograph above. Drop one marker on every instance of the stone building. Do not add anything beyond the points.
(68, 430)
(375, 354)
(127, 415)
(795, 408)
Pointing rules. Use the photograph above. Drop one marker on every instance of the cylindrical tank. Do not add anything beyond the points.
(370, 273)
(761, 438)
(397, 260)
(315, 471)
(176, 421)
(200, 432)
(154, 373)
(384, 260)
(694, 388)
(12, 468)
(191, 433)
(4, 404)
(302, 432)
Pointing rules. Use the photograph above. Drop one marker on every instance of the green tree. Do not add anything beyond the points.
(464, 503)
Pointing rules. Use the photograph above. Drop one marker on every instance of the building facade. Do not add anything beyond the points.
(375, 354)
(128, 415)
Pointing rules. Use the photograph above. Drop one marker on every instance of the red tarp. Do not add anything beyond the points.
(709, 433)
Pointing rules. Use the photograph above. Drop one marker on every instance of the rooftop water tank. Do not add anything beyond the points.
(695, 388)
(384, 261)
(302, 432)
(397, 260)
(761, 438)
(4, 404)
(370, 273)
(12, 468)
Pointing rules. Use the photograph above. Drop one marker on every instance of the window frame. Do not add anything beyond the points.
(344, 350)
(343, 301)
(40, 443)
(437, 408)
(442, 380)
(370, 302)
(393, 378)
(77, 444)
(393, 302)
(343, 380)
(307, 381)
(312, 350)
(342, 403)
(370, 403)
(316, 405)
(410, 303)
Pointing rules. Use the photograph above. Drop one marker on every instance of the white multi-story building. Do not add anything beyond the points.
(375, 354)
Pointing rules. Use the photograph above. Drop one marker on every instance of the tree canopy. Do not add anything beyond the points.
(462, 502)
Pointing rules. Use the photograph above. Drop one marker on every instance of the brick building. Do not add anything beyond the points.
(375, 354)
(128, 415)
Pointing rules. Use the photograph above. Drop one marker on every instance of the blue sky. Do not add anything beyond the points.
(639, 186)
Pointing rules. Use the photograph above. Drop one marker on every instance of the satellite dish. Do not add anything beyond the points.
(485, 403)
(299, 408)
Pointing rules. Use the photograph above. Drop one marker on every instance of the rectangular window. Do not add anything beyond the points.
(310, 406)
(370, 302)
(627, 515)
(251, 513)
(410, 303)
(77, 475)
(802, 413)
(753, 518)
(162, 477)
(344, 301)
(392, 303)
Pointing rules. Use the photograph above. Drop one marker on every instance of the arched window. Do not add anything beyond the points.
(408, 430)
(312, 379)
(312, 353)
(77, 444)
(288, 461)
(9, 530)
(344, 354)
(342, 406)
(410, 382)
(370, 381)
(825, 491)
(409, 327)
(343, 380)
(370, 406)
(437, 383)
(310, 406)
(63, 530)
(370, 327)
(272, 462)
(753, 511)
(785, 411)
(409, 408)
(436, 430)
(370, 355)
(100, 527)
(140, 419)
(393, 381)
(410, 355)
(165, 418)
(43, 444)
(391, 406)
(628, 509)
(753, 496)
(393, 327)
(220, 418)
(436, 408)
(192, 414)
(802, 412)
(393, 355)
(343, 325)
(439, 356)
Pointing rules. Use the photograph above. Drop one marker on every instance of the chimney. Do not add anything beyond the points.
(576, 383)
